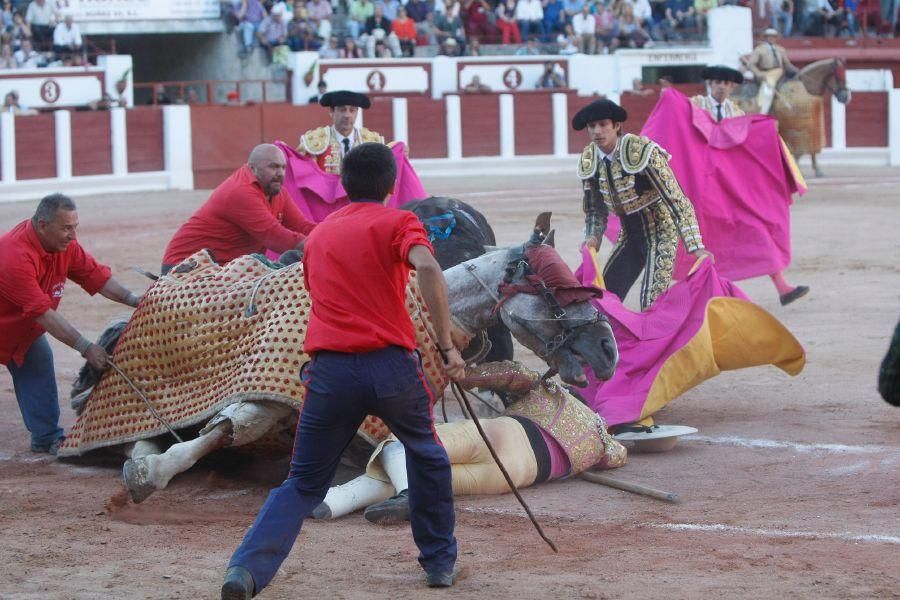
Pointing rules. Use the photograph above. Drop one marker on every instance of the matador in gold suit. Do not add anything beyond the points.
(629, 176)
(330, 143)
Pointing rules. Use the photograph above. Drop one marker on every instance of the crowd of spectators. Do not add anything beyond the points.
(385, 28)
(38, 33)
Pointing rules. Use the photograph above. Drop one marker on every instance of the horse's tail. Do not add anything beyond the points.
(88, 376)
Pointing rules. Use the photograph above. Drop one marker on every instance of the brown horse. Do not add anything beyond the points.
(799, 105)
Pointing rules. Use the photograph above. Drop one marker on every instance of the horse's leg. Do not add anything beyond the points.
(236, 425)
(142, 448)
(815, 165)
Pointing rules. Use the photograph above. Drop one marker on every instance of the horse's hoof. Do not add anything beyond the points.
(390, 512)
(322, 511)
(136, 474)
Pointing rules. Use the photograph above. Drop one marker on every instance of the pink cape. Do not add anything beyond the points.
(740, 178)
(318, 194)
(646, 340)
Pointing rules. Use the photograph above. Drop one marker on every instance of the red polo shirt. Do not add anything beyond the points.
(356, 269)
(32, 281)
(239, 219)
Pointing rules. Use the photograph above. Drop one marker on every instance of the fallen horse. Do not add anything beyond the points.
(221, 348)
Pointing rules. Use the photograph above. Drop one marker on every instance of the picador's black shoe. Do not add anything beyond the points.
(442, 580)
(238, 584)
(391, 511)
(795, 294)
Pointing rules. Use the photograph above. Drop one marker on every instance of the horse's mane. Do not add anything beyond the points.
(815, 75)
(471, 231)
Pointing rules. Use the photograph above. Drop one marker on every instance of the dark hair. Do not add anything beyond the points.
(49, 205)
(368, 172)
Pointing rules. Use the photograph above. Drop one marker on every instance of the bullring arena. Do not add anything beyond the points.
(789, 489)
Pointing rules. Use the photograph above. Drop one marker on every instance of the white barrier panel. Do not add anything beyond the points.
(63, 122)
(8, 147)
(54, 88)
(394, 76)
(894, 127)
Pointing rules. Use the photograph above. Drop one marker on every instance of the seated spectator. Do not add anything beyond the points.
(27, 58)
(67, 38)
(572, 8)
(554, 17)
(11, 105)
(331, 49)
(568, 42)
(820, 17)
(474, 47)
(679, 18)
(417, 10)
(449, 25)
(782, 12)
(322, 88)
(378, 29)
(638, 89)
(20, 31)
(389, 7)
(439, 7)
(585, 28)
(6, 16)
(405, 30)
(190, 97)
(249, 15)
(7, 59)
(272, 31)
(350, 49)
(160, 96)
(476, 87)
(643, 14)
(550, 78)
(849, 8)
(41, 18)
(530, 48)
(286, 8)
(319, 12)
(530, 16)
(360, 11)
(301, 33)
(449, 47)
(506, 22)
(428, 30)
(476, 16)
(607, 29)
(631, 34)
(701, 9)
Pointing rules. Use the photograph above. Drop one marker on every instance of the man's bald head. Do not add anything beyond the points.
(267, 163)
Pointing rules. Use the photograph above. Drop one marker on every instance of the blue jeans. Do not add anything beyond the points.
(35, 386)
(781, 16)
(248, 34)
(341, 389)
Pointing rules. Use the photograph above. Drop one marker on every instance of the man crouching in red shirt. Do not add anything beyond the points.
(36, 259)
(364, 361)
(250, 212)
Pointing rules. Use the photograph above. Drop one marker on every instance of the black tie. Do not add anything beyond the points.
(609, 176)
(718, 112)
(775, 55)
(346, 146)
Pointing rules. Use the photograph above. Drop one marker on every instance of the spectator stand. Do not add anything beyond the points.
(208, 91)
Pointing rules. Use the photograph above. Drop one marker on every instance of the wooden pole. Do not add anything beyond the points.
(628, 486)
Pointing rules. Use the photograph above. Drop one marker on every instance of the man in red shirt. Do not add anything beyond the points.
(249, 212)
(36, 259)
(362, 344)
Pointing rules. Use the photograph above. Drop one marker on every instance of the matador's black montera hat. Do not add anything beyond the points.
(722, 73)
(344, 98)
(597, 111)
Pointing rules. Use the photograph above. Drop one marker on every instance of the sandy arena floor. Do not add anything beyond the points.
(790, 490)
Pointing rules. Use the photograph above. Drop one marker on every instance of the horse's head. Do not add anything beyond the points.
(828, 75)
(546, 309)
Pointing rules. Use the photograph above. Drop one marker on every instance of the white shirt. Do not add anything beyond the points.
(40, 15)
(340, 138)
(63, 36)
(642, 10)
(529, 10)
(583, 24)
(32, 61)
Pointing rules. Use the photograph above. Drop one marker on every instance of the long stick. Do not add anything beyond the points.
(461, 394)
(146, 400)
(628, 486)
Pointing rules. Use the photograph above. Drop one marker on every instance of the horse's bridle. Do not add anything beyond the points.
(519, 267)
